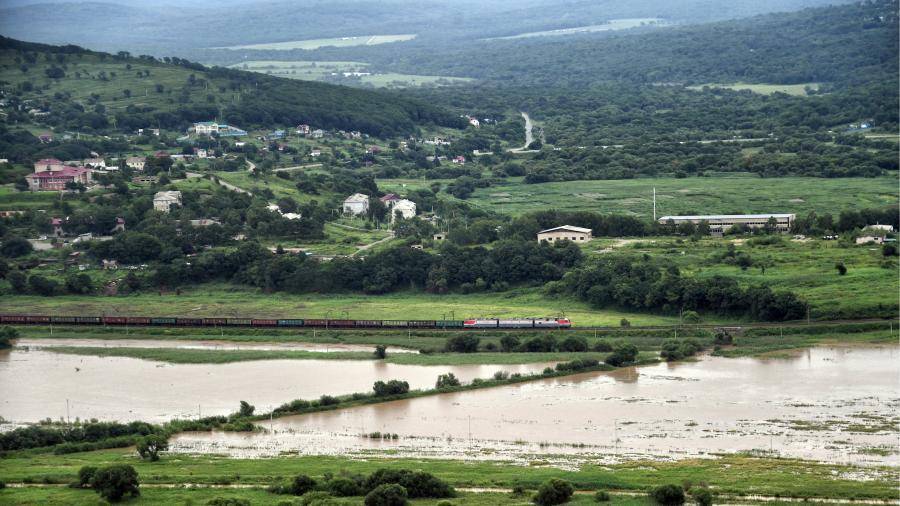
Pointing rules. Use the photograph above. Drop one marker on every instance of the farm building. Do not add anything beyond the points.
(356, 204)
(163, 201)
(135, 162)
(222, 130)
(565, 232)
(719, 223)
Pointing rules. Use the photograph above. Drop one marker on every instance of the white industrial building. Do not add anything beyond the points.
(719, 223)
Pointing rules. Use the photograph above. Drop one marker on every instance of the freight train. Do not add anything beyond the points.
(490, 323)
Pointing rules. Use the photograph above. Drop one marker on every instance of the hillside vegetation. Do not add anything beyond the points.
(93, 91)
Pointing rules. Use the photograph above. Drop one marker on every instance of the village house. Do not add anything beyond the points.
(94, 163)
(302, 129)
(870, 239)
(135, 162)
(163, 201)
(205, 222)
(405, 208)
(356, 204)
(880, 228)
(459, 160)
(317, 134)
(56, 223)
(389, 199)
(210, 128)
(143, 179)
(56, 180)
(200, 153)
(315, 153)
(565, 232)
(120, 225)
(46, 164)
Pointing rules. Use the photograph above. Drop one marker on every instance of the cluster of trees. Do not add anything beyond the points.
(647, 285)
(37, 436)
(384, 487)
(112, 483)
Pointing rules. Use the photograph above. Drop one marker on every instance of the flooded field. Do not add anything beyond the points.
(206, 344)
(829, 404)
(37, 383)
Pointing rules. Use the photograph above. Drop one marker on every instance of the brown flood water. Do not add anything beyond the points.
(205, 344)
(829, 404)
(35, 384)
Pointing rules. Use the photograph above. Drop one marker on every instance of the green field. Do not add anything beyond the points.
(731, 475)
(615, 24)
(230, 300)
(333, 70)
(14, 200)
(736, 194)
(360, 40)
(797, 90)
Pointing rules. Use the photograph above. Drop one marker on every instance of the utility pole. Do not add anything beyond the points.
(654, 203)
(67, 411)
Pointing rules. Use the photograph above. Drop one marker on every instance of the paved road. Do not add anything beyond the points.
(529, 136)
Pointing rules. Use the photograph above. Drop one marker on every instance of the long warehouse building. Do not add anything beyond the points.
(719, 223)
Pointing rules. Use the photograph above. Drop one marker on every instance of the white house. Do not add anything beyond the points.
(356, 204)
(870, 239)
(95, 163)
(163, 201)
(406, 208)
(880, 228)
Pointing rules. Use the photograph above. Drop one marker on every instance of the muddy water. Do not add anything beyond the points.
(35, 384)
(206, 344)
(831, 404)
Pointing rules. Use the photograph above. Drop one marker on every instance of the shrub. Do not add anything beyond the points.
(380, 351)
(690, 317)
(389, 494)
(227, 501)
(624, 323)
(553, 491)
(548, 371)
(623, 353)
(415, 483)
(2, 485)
(668, 495)
(149, 447)
(509, 343)
(574, 344)
(316, 498)
(601, 496)
(392, 387)
(446, 381)
(602, 346)
(302, 484)
(327, 400)
(465, 343)
(7, 334)
(501, 375)
(702, 496)
(889, 250)
(114, 482)
(343, 487)
(841, 268)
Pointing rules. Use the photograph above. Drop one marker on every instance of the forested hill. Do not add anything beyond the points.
(82, 88)
(844, 44)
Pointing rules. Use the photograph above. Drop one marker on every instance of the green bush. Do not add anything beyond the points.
(702, 496)
(85, 475)
(316, 498)
(149, 447)
(553, 491)
(227, 501)
(601, 496)
(343, 487)
(668, 495)
(114, 482)
(388, 494)
(417, 484)
(446, 381)
(302, 484)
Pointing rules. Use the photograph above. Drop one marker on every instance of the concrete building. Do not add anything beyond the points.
(406, 209)
(135, 162)
(356, 204)
(880, 228)
(47, 164)
(719, 223)
(870, 239)
(163, 201)
(209, 128)
(56, 180)
(566, 232)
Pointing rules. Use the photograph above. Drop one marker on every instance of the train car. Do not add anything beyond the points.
(368, 323)
(189, 322)
(12, 318)
(114, 320)
(397, 324)
(315, 323)
(552, 323)
(341, 323)
(87, 320)
(448, 324)
(213, 322)
(239, 322)
(37, 319)
(264, 323)
(422, 324)
(63, 319)
(480, 324)
(290, 323)
(137, 320)
(162, 321)
(516, 323)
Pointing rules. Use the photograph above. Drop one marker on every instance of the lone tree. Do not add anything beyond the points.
(380, 351)
(668, 495)
(623, 353)
(553, 491)
(388, 494)
(246, 409)
(7, 334)
(150, 446)
(841, 268)
(114, 482)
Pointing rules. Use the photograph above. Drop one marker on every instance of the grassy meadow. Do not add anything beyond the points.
(361, 40)
(726, 475)
(724, 194)
(323, 70)
(797, 90)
